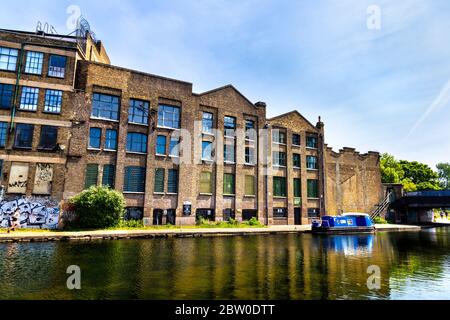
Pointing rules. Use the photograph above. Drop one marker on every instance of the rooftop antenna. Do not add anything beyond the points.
(46, 29)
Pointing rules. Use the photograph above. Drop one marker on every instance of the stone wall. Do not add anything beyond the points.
(353, 181)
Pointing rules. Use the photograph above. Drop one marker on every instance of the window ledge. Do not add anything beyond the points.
(138, 124)
(250, 140)
(168, 128)
(206, 194)
(51, 112)
(313, 198)
(208, 134)
(279, 197)
(229, 162)
(278, 166)
(279, 143)
(139, 153)
(159, 193)
(297, 168)
(309, 148)
(104, 119)
(171, 194)
(172, 156)
(208, 160)
(23, 148)
(160, 155)
(132, 192)
(296, 145)
(249, 196)
(109, 150)
(229, 195)
(94, 149)
(250, 164)
(229, 137)
(309, 169)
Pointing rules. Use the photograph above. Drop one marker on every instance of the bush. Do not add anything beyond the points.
(379, 220)
(253, 222)
(98, 207)
(131, 224)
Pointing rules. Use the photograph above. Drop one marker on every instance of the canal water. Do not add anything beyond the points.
(412, 265)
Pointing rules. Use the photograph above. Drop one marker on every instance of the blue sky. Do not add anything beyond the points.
(385, 90)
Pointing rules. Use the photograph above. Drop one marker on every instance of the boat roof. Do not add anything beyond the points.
(355, 214)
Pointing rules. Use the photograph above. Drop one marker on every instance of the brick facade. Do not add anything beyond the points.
(84, 78)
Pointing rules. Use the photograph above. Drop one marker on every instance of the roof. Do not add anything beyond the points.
(228, 86)
(293, 112)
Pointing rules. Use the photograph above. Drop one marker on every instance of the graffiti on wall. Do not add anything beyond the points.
(42, 213)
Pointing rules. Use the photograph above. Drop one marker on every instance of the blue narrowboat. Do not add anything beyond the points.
(346, 223)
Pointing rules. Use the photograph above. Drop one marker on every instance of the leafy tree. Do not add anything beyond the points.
(98, 207)
(444, 174)
(413, 175)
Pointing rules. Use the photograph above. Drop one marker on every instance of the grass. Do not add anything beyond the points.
(138, 225)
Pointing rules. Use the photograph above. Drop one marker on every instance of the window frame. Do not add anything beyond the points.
(278, 185)
(108, 139)
(52, 71)
(310, 193)
(8, 56)
(53, 99)
(4, 95)
(227, 128)
(28, 95)
(309, 162)
(139, 173)
(31, 133)
(253, 186)
(132, 141)
(316, 139)
(232, 186)
(294, 135)
(160, 190)
(210, 130)
(4, 126)
(159, 144)
(210, 144)
(91, 165)
(34, 63)
(44, 129)
(202, 182)
(163, 113)
(172, 179)
(296, 156)
(277, 159)
(91, 130)
(99, 106)
(145, 111)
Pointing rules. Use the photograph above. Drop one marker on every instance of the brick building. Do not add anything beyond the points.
(69, 120)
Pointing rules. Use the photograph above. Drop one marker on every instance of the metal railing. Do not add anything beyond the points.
(382, 207)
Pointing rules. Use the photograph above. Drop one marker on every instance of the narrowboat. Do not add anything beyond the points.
(346, 223)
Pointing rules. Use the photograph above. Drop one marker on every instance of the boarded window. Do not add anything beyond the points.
(109, 173)
(205, 182)
(250, 185)
(43, 179)
(159, 180)
(91, 175)
(134, 179)
(18, 177)
(172, 181)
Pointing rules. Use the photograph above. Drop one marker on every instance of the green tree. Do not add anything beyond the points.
(444, 174)
(414, 176)
(98, 207)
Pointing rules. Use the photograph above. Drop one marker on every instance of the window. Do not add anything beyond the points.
(95, 138)
(3, 133)
(24, 136)
(91, 176)
(34, 62)
(168, 116)
(279, 186)
(138, 112)
(311, 163)
(279, 159)
(159, 181)
(205, 182)
(250, 186)
(278, 136)
(29, 99)
(161, 145)
(134, 179)
(111, 139)
(8, 59)
(296, 161)
(280, 213)
(136, 142)
(105, 106)
(207, 150)
(229, 126)
(49, 138)
(250, 133)
(53, 101)
(297, 188)
(228, 184)
(207, 122)
(172, 181)
(228, 152)
(296, 139)
(57, 66)
(311, 142)
(6, 95)
(249, 155)
(174, 148)
(313, 213)
(313, 189)
(109, 175)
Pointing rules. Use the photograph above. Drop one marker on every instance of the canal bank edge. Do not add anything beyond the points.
(48, 236)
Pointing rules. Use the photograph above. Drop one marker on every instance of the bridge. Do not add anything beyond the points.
(415, 207)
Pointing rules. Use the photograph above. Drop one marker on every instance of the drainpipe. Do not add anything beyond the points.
(16, 91)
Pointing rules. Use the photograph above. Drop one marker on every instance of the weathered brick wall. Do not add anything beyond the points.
(353, 181)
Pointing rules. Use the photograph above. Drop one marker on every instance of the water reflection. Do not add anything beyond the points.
(258, 267)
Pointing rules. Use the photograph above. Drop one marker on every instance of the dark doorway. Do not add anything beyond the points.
(249, 214)
(208, 214)
(228, 214)
(158, 217)
(171, 216)
(298, 216)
